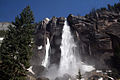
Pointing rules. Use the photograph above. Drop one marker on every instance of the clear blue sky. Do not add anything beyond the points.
(48, 8)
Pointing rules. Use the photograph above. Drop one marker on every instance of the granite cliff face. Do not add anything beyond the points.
(51, 29)
(90, 33)
(4, 25)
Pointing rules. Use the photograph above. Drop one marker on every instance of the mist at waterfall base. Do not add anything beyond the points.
(70, 62)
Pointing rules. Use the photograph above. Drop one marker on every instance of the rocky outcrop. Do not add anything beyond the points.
(95, 46)
(92, 31)
(115, 42)
(42, 78)
(51, 29)
(54, 28)
(40, 41)
(4, 25)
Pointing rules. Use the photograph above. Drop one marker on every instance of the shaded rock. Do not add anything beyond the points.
(92, 39)
(55, 32)
(115, 41)
(114, 29)
(29, 77)
(52, 30)
(64, 77)
(38, 70)
(42, 78)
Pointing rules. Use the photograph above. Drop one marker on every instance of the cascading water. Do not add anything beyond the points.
(69, 63)
(68, 60)
(45, 62)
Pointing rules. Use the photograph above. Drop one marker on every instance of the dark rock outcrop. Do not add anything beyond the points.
(91, 31)
(53, 31)
(65, 77)
(40, 40)
(42, 78)
(47, 29)
(54, 28)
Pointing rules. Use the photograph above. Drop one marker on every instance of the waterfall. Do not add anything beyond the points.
(69, 63)
(68, 60)
(45, 62)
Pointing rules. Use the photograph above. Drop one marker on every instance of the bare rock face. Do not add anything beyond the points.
(55, 27)
(114, 29)
(91, 31)
(38, 70)
(42, 78)
(94, 45)
(51, 29)
(65, 77)
(40, 41)
(4, 25)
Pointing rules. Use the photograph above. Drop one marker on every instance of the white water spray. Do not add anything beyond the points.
(68, 60)
(100, 78)
(45, 62)
(69, 63)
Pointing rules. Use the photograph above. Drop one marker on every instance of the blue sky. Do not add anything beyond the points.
(48, 8)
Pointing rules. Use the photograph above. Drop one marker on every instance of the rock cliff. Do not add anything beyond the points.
(89, 32)
(4, 25)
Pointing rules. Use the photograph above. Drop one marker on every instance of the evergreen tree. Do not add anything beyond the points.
(115, 8)
(79, 76)
(110, 8)
(16, 48)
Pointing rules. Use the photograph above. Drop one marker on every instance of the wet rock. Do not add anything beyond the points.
(64, 77)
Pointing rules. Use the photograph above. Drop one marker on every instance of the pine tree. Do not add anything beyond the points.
(79, 76)
(16, 49)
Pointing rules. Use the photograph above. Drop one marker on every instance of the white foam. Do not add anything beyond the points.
(1, 38)
(68, 62)
(39, 47)
(100, 78)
